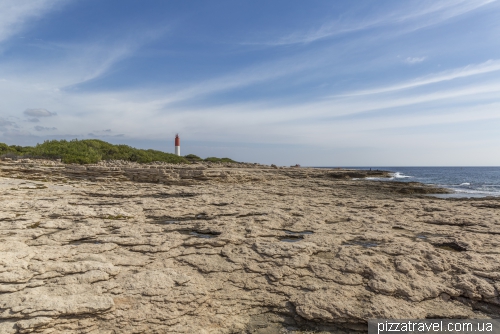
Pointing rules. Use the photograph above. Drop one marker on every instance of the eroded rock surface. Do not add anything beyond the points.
(124, 248)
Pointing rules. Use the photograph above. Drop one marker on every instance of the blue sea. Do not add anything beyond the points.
(463, 181)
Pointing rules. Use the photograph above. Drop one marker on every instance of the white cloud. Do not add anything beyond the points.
(423, 14)
(76, 62)
(414, 60)
(39, 112)
(491, 65)
(43, 128)
(144, 117)
(247, 77)
(4, 122)
(100, 132)
(6, 125)
(253, 75)
(131, 112)
(16, 14)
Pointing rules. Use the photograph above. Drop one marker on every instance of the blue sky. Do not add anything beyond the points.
(323, 83)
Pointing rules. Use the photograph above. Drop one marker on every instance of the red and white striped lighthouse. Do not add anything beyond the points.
(177, 145)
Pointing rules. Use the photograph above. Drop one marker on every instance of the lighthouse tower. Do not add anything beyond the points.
(177, 145)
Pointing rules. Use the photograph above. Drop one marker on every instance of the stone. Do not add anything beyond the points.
(235, 248)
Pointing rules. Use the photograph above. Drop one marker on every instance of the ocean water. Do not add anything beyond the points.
(463, 181)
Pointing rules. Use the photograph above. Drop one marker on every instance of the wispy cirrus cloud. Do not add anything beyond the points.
(422, 14)
(414, 60)
(39, 112)
(263, 73)
(44, 128)
(491, 65)
(16, 14)
(99, 56)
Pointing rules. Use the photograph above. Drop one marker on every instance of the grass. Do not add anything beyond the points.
(214, 159)
(90, 151)
(195, 158)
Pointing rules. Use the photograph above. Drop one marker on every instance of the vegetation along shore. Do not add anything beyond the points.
(89, 151)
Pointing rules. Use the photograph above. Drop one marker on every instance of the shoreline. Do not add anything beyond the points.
(218, 248)
(461, 190)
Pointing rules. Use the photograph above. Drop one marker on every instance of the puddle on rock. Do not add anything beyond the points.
(291, 238)
(425, 235)
(450, 246)
(173, 195)
(337, 221)
(199, 234)
(205, 235)
(221, 204)
(251, 214)
(363, 243)
(203, 216)
(298, 233)
(82, 242)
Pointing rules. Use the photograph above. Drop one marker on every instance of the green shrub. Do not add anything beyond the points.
(11, 152)
(89, 151)
(192, 157)
(214, 159)
(4, 148)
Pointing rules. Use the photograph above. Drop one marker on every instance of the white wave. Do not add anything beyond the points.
(398, 175)
(464, 184)
(476, 191)
(395, 175)
(377, 178)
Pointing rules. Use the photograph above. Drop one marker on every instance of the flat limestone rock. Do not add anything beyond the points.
(121, 247)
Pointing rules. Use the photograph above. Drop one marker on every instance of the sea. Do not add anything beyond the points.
(463, 181)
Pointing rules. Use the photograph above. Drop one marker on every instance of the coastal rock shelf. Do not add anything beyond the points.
(235, 248)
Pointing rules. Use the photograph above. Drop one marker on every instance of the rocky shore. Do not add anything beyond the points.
(235, 248)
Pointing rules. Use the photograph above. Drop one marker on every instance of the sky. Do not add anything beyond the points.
(315, 83)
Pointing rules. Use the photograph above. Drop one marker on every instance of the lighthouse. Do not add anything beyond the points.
(177, 145)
